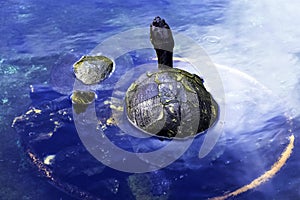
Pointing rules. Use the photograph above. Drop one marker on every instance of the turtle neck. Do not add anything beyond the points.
(162, 40)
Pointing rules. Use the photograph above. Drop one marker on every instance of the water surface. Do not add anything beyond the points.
(258, 38)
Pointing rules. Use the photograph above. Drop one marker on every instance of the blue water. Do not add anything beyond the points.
(37, 36)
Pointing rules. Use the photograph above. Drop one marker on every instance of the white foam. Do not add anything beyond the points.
(260, 38)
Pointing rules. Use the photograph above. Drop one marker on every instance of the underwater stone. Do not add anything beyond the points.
(82, 99)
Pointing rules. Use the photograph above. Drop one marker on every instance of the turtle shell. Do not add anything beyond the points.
(170, 103)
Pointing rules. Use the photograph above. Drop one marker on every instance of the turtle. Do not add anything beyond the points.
(169, 102)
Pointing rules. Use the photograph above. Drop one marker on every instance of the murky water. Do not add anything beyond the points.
(257, 42)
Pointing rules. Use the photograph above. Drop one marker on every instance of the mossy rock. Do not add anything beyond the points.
(92, 69)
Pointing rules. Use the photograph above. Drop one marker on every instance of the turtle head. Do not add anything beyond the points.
(162, 40)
